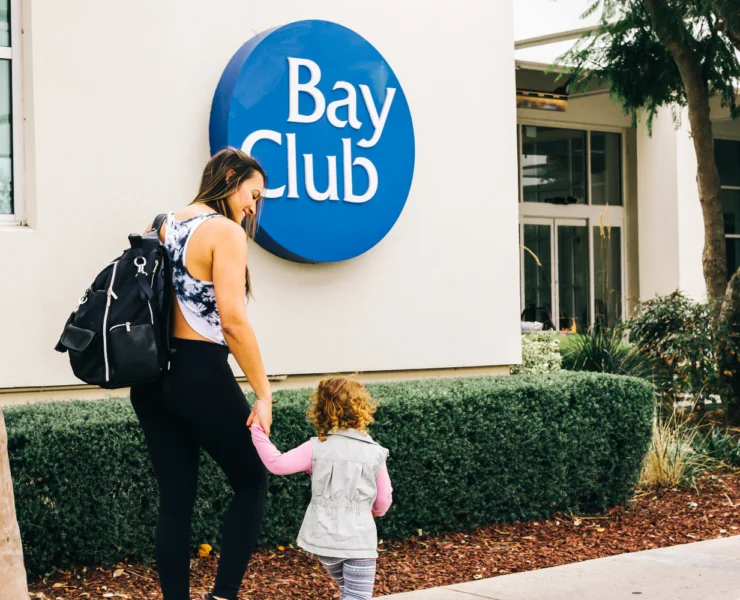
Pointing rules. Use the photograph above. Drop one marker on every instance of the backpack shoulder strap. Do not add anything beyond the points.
(158, 222)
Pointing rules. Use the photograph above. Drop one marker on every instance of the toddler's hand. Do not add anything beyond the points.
(261, 414)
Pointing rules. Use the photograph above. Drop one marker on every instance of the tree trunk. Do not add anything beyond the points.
(714, 257)
(724, 297)
(727, 358)
(12, 572)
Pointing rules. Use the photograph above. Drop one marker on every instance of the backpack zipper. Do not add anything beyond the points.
(127, 325)
(111, 294)
(154, 271)
(149, 304)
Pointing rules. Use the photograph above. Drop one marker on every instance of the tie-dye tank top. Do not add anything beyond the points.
(197, 298)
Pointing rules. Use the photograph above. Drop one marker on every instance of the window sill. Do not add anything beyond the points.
(12, 225)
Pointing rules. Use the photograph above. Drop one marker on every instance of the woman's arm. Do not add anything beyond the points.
(385, 493)
(296, 461)
(229, 280)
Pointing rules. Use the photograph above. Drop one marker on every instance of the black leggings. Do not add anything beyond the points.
(200, 405)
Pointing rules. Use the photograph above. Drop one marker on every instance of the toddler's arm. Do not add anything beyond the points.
(296, 461)
(385, 493)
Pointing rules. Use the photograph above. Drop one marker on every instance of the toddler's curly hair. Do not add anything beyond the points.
(340, 403)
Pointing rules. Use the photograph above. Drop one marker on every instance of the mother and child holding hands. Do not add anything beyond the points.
(199, 404)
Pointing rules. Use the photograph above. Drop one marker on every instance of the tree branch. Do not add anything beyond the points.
(656, 10)
(724, 25)
(731, 35)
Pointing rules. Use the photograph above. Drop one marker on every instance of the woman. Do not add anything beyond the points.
(199, 404)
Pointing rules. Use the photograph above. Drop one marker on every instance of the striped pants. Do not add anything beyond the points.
(355, 576)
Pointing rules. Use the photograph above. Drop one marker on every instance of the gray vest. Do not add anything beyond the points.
(339, 521)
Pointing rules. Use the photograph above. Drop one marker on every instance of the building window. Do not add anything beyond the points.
(11, 207)
(606, 168)
(727, 153)
(554, 165)
(571, 226)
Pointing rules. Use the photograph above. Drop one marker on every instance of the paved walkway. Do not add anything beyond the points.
(700, 571)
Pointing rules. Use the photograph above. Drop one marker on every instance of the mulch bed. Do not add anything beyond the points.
(653, 519)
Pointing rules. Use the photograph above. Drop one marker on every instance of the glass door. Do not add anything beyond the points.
(538, 293)
(607, 244)
(556, 282)
(573, 275)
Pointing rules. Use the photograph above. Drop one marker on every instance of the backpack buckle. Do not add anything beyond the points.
(82, 300)
(140, 263)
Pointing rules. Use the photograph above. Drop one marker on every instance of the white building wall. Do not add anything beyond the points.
(670, 216)
(690, 218)
(117, 106)
(657, 205)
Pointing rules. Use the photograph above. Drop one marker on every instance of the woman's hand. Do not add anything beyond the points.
(261, 414)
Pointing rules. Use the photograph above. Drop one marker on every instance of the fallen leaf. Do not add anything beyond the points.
(204, 550)
(118, 573)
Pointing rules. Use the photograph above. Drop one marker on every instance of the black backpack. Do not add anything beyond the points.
(118, 335)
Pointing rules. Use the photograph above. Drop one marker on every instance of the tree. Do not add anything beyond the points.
(657, 53)
(12, 571)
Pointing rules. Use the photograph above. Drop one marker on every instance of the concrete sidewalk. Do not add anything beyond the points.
(700, 571)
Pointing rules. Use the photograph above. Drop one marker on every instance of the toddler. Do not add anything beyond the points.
(349, 482)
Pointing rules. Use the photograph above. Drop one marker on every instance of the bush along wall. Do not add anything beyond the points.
(463, 452)
(540, 354)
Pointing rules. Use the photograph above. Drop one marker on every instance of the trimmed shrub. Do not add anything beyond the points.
(464, 452)
(540, 354)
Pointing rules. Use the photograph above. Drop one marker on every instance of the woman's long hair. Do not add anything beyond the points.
(216, 187)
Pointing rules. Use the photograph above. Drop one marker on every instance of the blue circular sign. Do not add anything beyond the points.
(325, 115)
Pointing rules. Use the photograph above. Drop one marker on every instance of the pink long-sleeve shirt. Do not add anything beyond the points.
(298, 460)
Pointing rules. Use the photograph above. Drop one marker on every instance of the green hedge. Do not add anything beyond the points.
(464, 452)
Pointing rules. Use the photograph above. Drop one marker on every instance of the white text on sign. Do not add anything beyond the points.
(378, 119)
